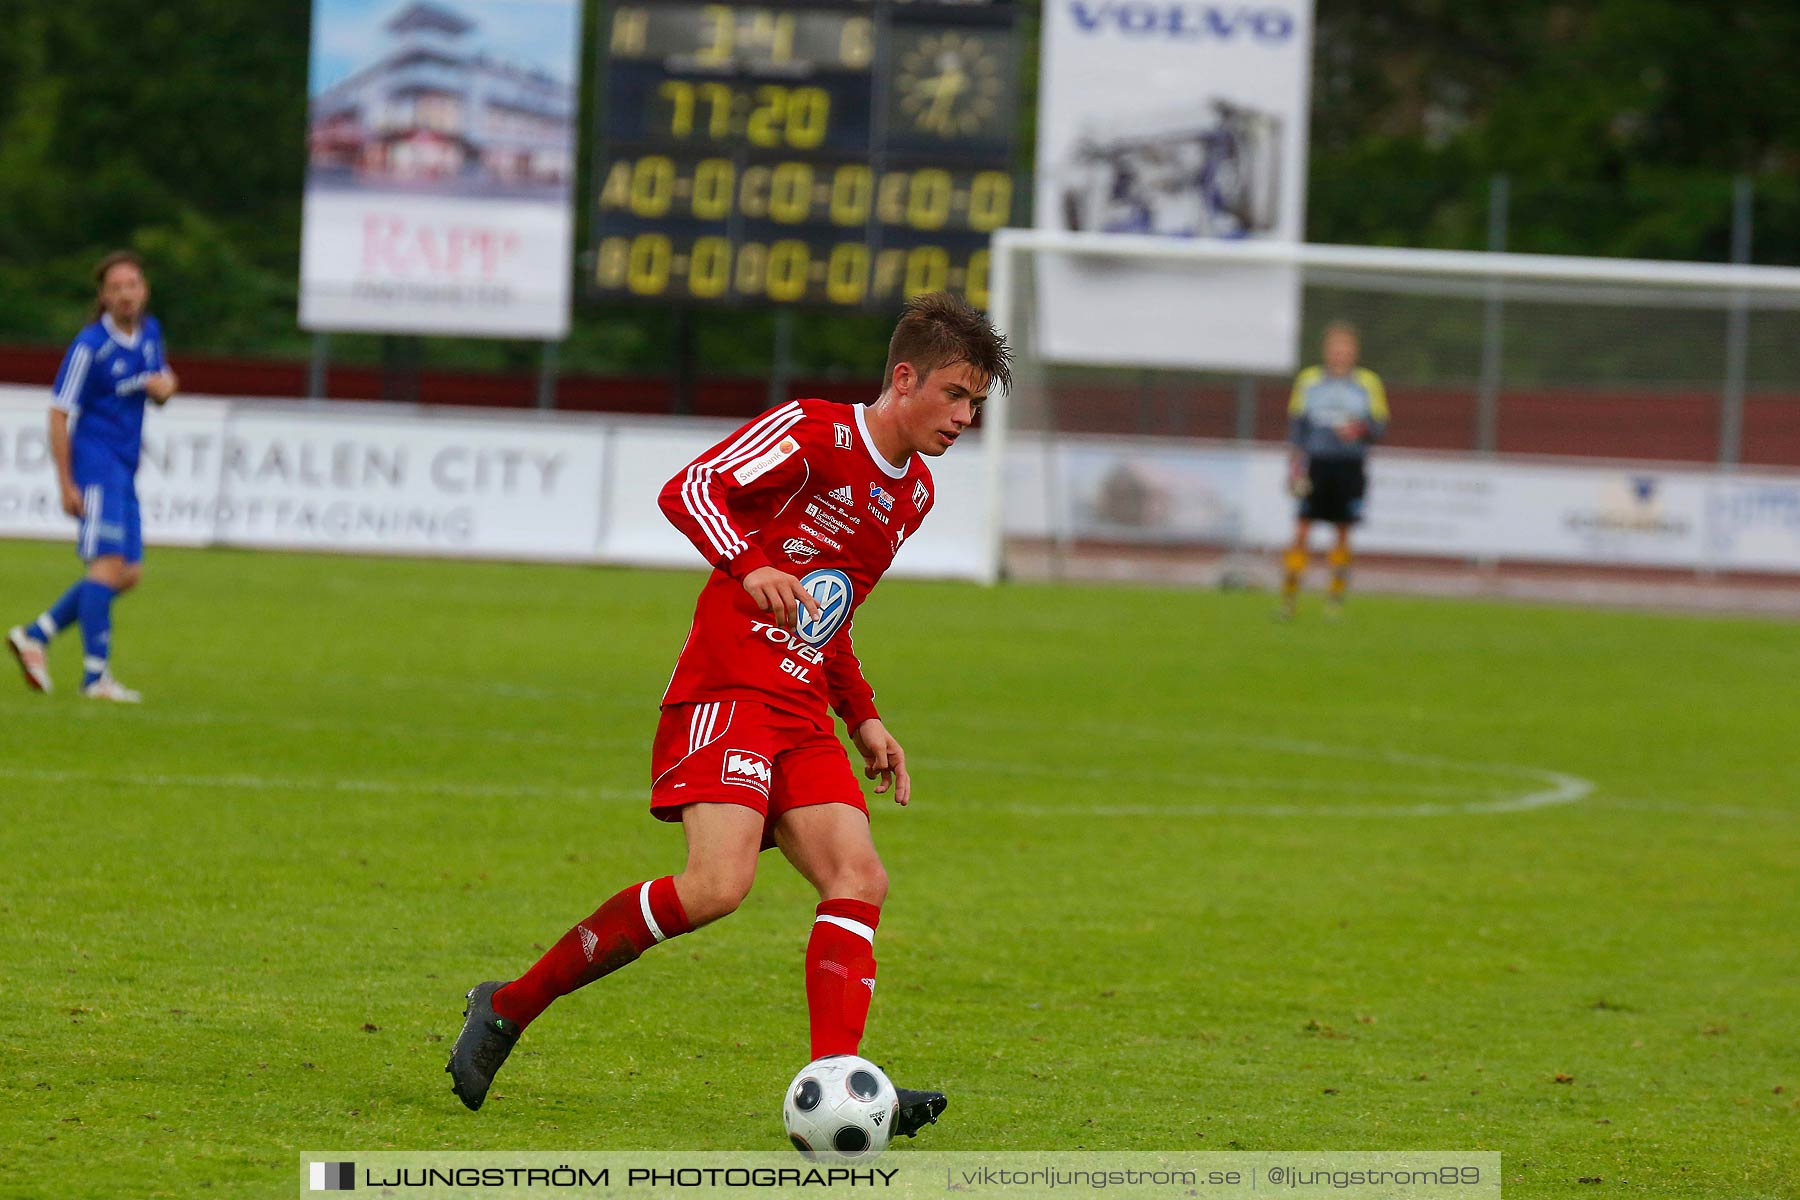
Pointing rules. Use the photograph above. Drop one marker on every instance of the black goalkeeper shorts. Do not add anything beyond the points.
(1337, 491)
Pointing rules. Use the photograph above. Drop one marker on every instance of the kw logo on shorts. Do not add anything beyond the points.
(745, 768)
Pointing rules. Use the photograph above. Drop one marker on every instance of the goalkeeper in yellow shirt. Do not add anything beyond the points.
(1337, 411)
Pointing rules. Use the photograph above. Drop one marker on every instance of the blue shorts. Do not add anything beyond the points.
(110, 523)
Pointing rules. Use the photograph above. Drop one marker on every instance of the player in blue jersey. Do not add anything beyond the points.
(96, 433)
(1338, 410)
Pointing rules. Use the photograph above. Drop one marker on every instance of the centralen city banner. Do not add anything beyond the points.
(1180, 119)
(440, 163)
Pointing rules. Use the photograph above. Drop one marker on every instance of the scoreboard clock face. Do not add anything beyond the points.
(953, 83)
(845, 155)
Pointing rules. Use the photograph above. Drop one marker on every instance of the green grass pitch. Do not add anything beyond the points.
(1440, 876)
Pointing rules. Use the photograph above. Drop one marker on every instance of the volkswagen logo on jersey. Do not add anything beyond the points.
(831, 588)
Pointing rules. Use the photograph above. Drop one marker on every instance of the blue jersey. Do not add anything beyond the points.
(101, 385)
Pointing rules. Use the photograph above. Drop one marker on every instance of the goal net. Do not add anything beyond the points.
(1143, 436)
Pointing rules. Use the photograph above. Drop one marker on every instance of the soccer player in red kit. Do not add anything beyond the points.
(800, 512)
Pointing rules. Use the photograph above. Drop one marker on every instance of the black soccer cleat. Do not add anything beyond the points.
(482, 1046)
(917, 1110)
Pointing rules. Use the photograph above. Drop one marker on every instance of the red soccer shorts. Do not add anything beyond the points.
(742, 752)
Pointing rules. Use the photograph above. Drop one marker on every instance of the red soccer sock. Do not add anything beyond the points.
(620, 930)
(840, 974)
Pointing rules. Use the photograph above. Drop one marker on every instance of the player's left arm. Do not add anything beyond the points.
(162, 385)
(1378, 405)
(854, 702)
(883, 760)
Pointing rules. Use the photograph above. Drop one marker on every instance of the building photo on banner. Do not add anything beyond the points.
(440, 167)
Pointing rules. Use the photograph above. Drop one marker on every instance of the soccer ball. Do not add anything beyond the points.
(840, 1109)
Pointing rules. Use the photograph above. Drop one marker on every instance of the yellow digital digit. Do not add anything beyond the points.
(975, 287)
(617, 192)
(775, 31)
(850, 189)
(681, 100)
(847, 273)
(753, 192)
(927, 269)
(709, 267)
(889, 266)
(990, 201)
(788, 262)
(652, 185)
(763, 128)
(718, 110)
(647, 270)
(856, 44)
(610, 263)
(752, 268)
(713, 181)
(790, 193)
(721, 22)
(928, 199)
(808, 117)
(890, 198)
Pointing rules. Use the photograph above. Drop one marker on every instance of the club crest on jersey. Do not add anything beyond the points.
(840, 436)
(831, 588)
(799, 550)
(921, 494)
(746, 768)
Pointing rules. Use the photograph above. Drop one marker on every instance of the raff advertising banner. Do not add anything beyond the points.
(1184, 119)
(440, 163)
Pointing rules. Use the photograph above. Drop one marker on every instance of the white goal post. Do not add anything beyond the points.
(1483, 328)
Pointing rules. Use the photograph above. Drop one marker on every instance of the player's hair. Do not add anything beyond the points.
(118, 258)
(937, 329)
(1341, 326)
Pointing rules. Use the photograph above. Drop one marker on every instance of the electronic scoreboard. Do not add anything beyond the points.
(843, 155)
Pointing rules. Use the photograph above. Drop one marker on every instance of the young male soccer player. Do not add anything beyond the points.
(1337, 411)
(799, 512)
(111, 367)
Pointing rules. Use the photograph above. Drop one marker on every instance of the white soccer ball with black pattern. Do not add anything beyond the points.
(840, 1109)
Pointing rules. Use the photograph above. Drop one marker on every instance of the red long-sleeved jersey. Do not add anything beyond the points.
(801, 488)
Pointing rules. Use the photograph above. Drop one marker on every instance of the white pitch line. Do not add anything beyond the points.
(203, 718)
(1547, 788)
(270, 783)
(1249, 783)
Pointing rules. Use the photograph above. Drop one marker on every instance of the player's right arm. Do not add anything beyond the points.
(65, 397)
(59, 452)
(780, 595)
(707, 498)
(1299, 428)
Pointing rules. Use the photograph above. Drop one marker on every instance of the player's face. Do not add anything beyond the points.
(124, 292)
(937, 407)
(1340, 352)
